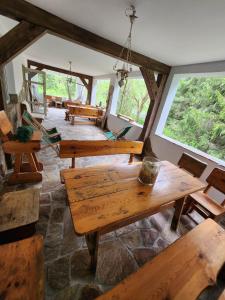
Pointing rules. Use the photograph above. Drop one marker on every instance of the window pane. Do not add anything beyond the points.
(134, 100)
(102, 92)
(197, 115)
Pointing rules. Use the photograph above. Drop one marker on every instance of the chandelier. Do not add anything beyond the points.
(70, 78)
(123, 69)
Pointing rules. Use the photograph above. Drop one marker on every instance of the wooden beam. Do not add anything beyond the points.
(17, 39)
(22, 10)
(1, 96)
(41, 66)
(89, 90)
(155, 89)
(108, 106)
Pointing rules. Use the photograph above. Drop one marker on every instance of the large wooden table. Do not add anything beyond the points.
(182, 271)
(104, 198)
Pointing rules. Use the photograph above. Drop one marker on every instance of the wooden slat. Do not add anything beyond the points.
(5, 124)
(74, 148)
(22, 10)
(217, 179)
(181, 271)
(13, 147)
(193, 165)
(18, 39)
(19, 208)
(84, 111)
(22, 269)
(120, 197)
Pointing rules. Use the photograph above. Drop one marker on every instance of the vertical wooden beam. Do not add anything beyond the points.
(89, 90)
(155, 88)
(108, 106)
(1, 96)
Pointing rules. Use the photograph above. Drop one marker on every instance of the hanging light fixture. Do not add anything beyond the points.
(70, 78)
(123, 69)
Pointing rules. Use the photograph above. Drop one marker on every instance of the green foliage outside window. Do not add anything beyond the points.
(135, 101)
(102, 92)
(56, 85)
(197, 115)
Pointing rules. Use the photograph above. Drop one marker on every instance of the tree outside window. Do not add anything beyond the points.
(197, 115)
(102, 92)
(134, 101)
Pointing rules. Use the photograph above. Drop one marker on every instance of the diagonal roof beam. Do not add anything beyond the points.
(17, 39)
(22, 10)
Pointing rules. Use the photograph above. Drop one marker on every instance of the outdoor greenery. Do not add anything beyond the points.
(134, 101)
(102, 92)
(197, 115)
(57, 85)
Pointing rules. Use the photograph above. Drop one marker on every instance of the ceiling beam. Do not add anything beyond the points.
(17, 39)
(41, 66)
(22, 10)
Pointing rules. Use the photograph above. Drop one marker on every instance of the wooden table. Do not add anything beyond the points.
(182, 271)
(22, 269)
(104, 198)
(19, 212)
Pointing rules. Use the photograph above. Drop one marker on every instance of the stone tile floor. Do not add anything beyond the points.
(66, 256)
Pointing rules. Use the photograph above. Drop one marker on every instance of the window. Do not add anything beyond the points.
(197, 115)
(102, 92)
(134, 102)
(57, 85)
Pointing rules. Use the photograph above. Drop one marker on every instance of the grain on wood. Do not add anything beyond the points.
(181, 271)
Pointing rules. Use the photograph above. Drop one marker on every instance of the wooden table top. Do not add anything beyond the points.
(101, 197)
(19, 208)
(22, 269)
(181, 271)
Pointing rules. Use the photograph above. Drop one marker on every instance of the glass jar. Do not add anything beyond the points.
(149, 170)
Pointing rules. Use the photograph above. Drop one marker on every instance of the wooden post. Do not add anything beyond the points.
(155, 88)
(89, 90)
(108, 106)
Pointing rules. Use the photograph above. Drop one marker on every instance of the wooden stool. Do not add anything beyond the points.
(22, 269)
(19, 212)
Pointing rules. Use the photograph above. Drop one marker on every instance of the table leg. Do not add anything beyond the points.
(177, 214)
(92, 243)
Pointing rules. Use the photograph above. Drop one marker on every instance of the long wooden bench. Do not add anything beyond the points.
(73, 149)
(182, 271)
(84, 112)
(22, 269)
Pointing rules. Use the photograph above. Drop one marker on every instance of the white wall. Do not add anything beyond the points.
(168, 150)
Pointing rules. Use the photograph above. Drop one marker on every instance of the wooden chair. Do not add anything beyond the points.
(117, 135)
(24, 172)
(192, 165)
(203, 203)
(73, 149)
(181, 271)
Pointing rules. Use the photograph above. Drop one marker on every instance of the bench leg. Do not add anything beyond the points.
(177, 214)
(92, 240)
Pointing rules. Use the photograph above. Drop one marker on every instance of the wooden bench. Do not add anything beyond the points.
(182, 271)
(73, 149)
(19, 212)
(22, 269)
(24, 172)
(84, 112)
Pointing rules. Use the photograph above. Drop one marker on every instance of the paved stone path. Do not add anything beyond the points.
(66, 256)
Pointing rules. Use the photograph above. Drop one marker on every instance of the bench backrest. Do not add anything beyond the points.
(191, 164)
(85, 111)
(73, 149)
(5, 125)
(216, 179)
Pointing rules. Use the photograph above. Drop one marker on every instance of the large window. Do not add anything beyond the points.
(197, 115)
(134, 101)
(102, 92)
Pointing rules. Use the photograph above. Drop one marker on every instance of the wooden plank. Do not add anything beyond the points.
(42, 66)
(120, 197)
(22, 10)
(173, 275)
(22, 269)
(19, 208)
(5, 124)
(18, 39)
(84, 111)
(217, 179)
(72, 148)
(13, 147)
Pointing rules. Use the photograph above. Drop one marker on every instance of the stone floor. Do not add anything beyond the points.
(66, 256)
